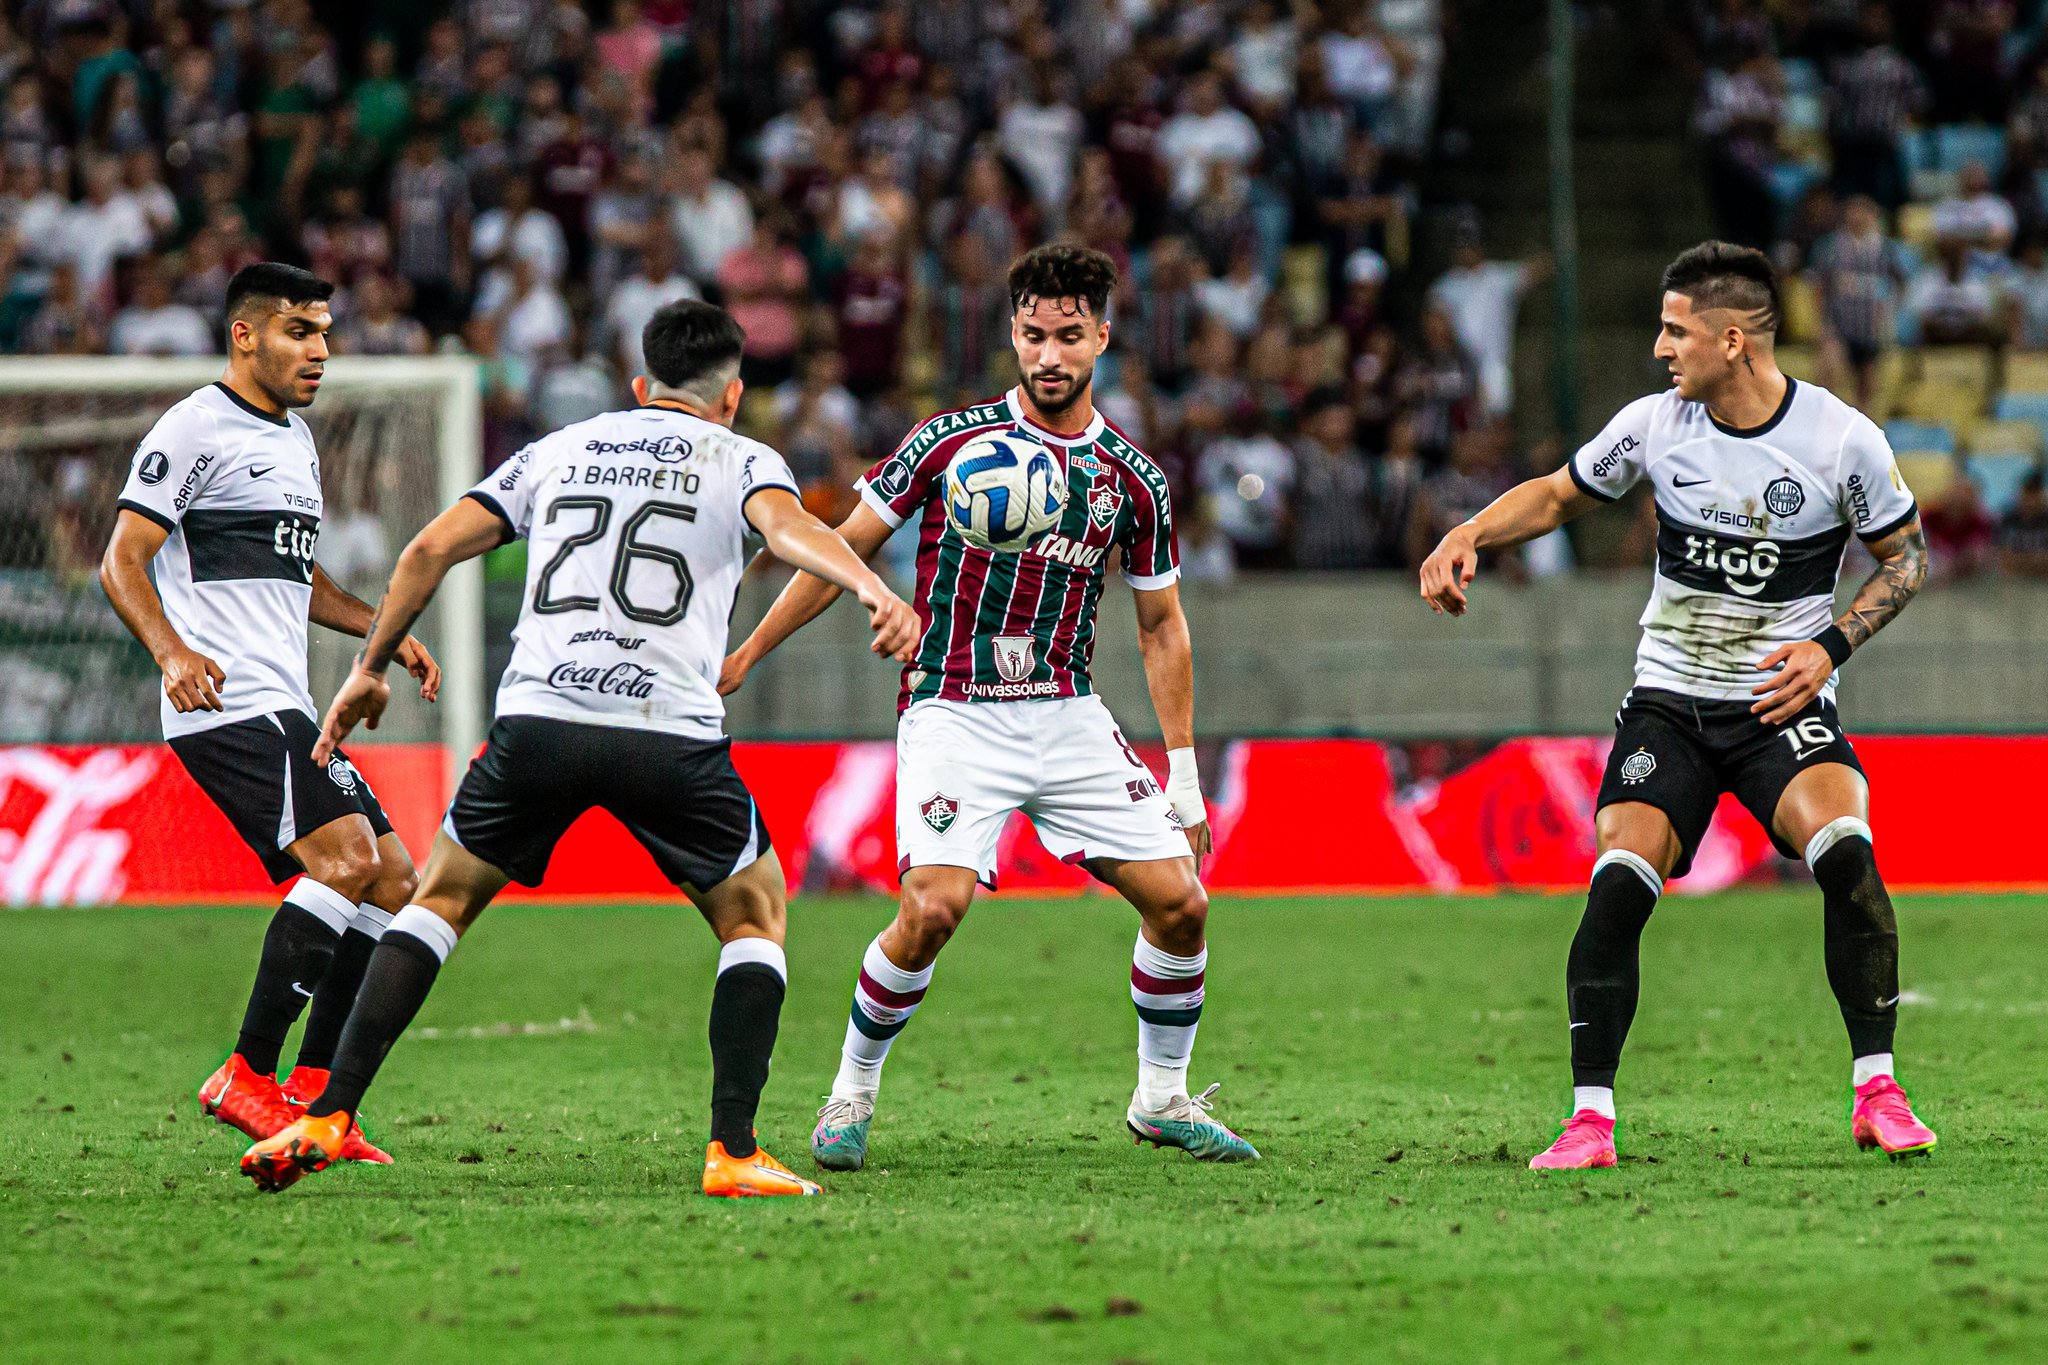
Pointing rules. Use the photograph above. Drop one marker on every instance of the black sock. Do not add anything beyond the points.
(296, 950)
(333, 998)
(401, 972)
(1604, 972)
(746, 1006)
(1862, 944)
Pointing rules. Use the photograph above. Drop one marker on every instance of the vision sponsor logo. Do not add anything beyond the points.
(1068, 551)
(1741, 521)
(193, 477)
(1747, 565)
(632, 681)
(152, 467)
(1609, 462)
(1859, 499)
(667, 449)
(301, 501)
(294, 540)
(602, 636)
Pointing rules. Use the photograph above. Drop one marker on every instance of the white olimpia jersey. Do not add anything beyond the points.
(636, 542)
(1751, 526)
(239, 491)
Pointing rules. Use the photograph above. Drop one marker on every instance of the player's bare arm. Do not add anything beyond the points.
(802, 601)
(191, 680)
(463, 532)
(336, 608)
(1799, 670)
(799, 539)
(1526, 511)
(1169, 655)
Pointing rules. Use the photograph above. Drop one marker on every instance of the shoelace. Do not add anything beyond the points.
(837, 1113)
(1891, 1102)
(1198, 1105)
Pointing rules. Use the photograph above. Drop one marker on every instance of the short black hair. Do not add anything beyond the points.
(688, 341)
(267, 284)
(1062, 271)
(1724, 275)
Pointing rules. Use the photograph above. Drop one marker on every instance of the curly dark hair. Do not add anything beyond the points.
(1061, 271)
(1724, 275)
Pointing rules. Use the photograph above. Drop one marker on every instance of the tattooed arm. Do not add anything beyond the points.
(1901, 569)
(1802, 668)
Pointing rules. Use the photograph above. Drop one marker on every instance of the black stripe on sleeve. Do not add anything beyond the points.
(150, 512)
(1895, 524)
(1586, 486)
(510, 532)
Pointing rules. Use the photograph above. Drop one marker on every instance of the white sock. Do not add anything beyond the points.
(1875, 1065)
(1167, 991)
(1598, 1098)
(884, 998)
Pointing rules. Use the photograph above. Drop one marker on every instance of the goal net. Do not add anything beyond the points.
(399, 438)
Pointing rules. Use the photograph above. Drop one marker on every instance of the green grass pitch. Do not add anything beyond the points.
(1397, 1061)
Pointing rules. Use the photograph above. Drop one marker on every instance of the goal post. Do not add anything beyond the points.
(399, 438)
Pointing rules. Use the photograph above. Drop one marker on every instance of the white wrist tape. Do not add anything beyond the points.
(1184, 788)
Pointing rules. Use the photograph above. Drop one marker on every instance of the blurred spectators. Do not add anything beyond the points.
(528, 180)
(2023, 537)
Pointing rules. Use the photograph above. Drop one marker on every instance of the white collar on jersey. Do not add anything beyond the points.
(1087, 437)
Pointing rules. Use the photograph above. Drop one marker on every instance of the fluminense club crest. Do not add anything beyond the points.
(939, 811)
(1104, 503)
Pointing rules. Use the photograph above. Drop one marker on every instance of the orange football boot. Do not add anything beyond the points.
(743, 1177)
(303, 1086)
(240, 1097)
(305, 1146)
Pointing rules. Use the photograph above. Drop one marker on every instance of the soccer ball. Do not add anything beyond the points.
(1004, 490)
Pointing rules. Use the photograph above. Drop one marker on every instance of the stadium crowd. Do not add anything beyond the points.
(527, 180)
(1894, 159)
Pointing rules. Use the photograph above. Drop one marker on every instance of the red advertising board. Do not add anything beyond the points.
(94, 824)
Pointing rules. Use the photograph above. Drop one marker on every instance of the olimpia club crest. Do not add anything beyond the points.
(939, 811)
(1638, 766)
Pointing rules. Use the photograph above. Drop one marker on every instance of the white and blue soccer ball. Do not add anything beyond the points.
(1004, 490)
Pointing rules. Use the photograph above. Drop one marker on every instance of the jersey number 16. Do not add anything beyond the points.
(660, 604)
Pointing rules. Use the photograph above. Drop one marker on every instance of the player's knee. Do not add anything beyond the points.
(394, 887)
(1181, 922)
(350, 871)
(928, 918)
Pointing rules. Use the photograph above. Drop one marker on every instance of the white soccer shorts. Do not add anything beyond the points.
(962, 767)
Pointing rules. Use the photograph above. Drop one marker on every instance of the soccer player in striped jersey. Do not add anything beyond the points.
(998, 714)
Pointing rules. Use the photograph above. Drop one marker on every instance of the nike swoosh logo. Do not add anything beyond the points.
(1693, 483)
(259, 473)
(1579, 1025)
(302, 990)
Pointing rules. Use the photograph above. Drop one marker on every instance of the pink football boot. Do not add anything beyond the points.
(1587, 1143)
(1883, 1118)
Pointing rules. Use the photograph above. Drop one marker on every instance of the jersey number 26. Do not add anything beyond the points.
(659, 604)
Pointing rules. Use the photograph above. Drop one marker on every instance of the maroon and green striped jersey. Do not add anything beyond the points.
(1016, 627)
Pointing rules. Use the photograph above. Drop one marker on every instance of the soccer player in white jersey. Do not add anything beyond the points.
(638, 523)
(998, 714)
(223, 501)
(1759, 483)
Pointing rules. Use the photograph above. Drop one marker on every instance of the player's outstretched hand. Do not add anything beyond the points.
(416, 661)
(733, 673)
(894, 623)
(360, 701)
(1802, 670)
(1449, 571)
(192, 681)
(1202, 841)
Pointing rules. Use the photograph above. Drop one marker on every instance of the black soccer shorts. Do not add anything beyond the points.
(261, 774)
(1679, 753)
(681, 798)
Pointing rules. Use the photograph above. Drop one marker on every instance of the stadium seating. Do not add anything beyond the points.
(1958, 144)
(1928, 473)
(1999, 476)
(1923, 437)
(2026, 374)
(1946, 384)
